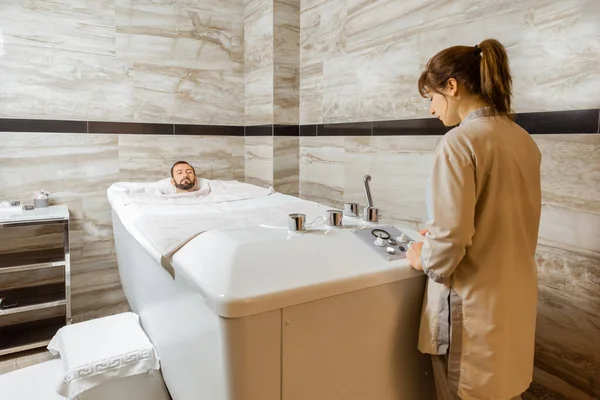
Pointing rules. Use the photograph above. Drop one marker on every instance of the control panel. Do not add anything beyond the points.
(387, 241)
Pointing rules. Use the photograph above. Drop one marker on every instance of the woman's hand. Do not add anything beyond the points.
(413, 255)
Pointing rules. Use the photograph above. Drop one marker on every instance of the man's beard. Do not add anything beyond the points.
(185, 184)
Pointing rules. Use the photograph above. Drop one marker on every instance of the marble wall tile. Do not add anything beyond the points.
(577, 159)
(59, 60)
(570, 228)
(238, 160)
(311, 94)
(123, 60)
(286, 73)
(52, 83)
(570, 191)
(286, 86)
(322, 169)
(567, 344)
(205, 35)
(258, 61)
(259, 160)
(184, 95)
(187, 59)
(322, 34)
(64, 164)
(399, 168)
(286, 165)
(259, 96)
(372, 90)
(258, 33)
(271, 61)
(150, 158)
(560, 38)
(332, 171)
(373, 53)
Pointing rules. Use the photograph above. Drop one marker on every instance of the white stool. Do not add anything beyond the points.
(106, 358)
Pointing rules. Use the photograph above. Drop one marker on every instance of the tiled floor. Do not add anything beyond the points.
(537, 392)
(25, 359)
(12, 362)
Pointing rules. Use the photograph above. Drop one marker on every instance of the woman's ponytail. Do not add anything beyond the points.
(482, 69)
(496, 81)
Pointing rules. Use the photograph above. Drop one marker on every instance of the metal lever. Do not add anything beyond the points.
(366, 180)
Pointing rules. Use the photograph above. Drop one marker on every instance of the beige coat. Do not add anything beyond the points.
(481, 301)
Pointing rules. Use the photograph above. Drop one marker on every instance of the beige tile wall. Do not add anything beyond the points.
(272, 55)
(360, 60)
(123, 60)
(286, 74)
(258, 61)
(273, 161)
(259, 160)
(286, 165)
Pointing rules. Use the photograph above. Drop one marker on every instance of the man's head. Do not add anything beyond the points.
(183, 176)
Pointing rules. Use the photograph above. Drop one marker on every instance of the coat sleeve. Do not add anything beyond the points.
(453, 198)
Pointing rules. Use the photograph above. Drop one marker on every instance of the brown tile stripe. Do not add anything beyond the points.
(550, 122)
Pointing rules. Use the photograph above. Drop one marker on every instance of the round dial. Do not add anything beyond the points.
(380, 233)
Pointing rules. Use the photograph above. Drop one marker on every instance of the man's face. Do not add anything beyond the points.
(184, 177)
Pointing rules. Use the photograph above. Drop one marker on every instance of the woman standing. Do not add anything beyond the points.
(484, 204)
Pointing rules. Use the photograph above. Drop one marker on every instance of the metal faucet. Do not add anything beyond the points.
(371, 214)
(366, 180)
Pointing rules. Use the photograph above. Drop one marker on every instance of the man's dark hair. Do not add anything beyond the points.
(181, 162)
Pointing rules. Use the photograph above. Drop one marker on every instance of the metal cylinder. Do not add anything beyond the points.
(371, 214)
(297, 222)
(334, 218)
(40, 203)
(351, 209)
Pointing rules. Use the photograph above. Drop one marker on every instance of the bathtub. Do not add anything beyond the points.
(256, 312)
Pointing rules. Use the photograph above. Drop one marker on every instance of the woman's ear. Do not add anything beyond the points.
(452, 87)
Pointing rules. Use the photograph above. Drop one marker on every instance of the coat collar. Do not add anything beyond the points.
(478, 113)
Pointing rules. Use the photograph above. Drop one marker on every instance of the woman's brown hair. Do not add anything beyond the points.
(482, 69)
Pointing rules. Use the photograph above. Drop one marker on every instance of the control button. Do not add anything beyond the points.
(390, 250)
(402, 248)
(403, 238)
(379, 242)
(392, 241)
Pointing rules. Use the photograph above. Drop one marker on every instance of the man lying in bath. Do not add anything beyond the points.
(183, 179)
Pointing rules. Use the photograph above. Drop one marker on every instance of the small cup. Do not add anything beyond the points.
(334, 218)
(40, 203)
(351, 209)
(296, 222)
